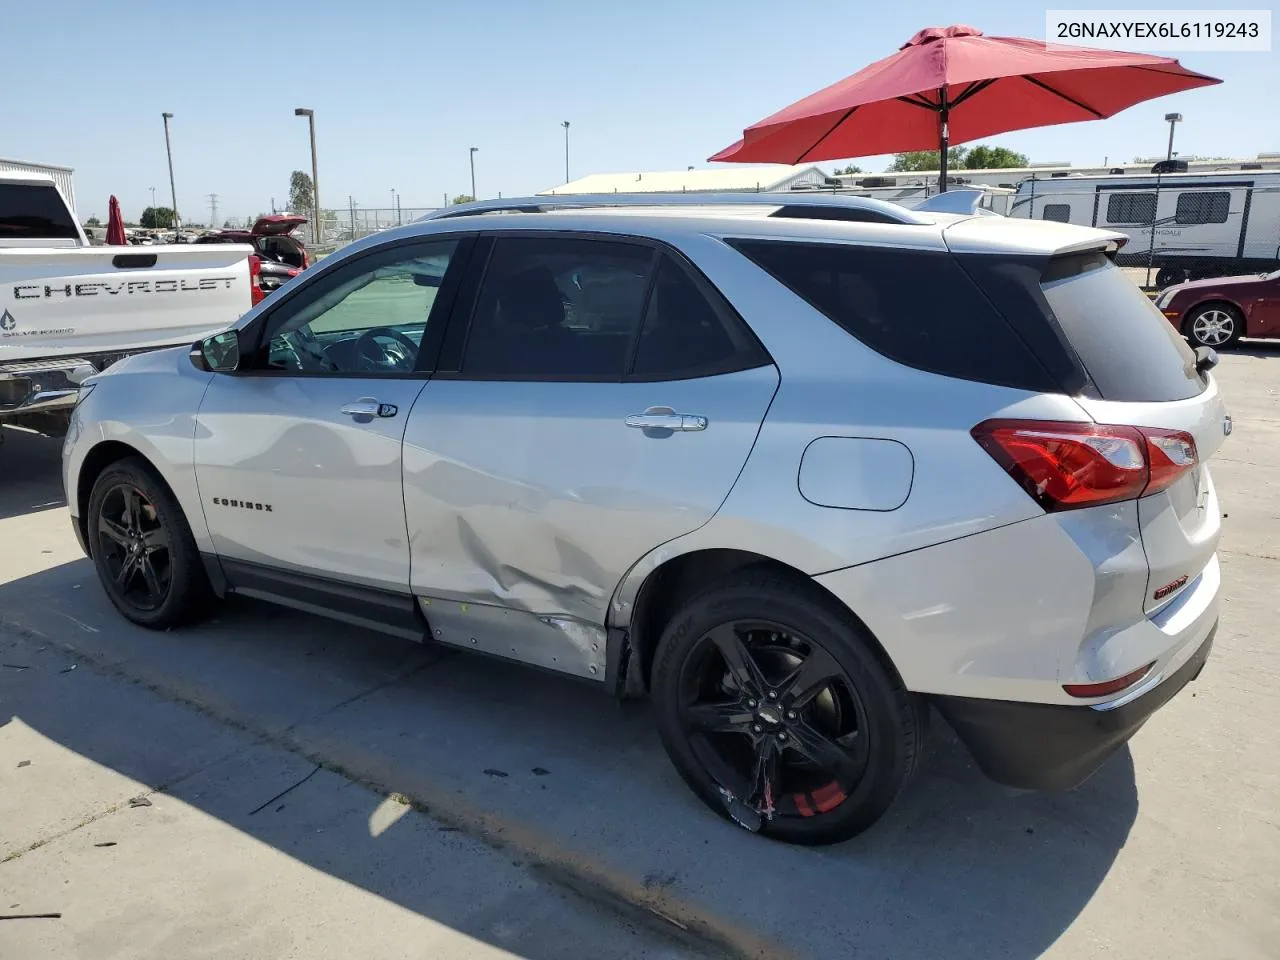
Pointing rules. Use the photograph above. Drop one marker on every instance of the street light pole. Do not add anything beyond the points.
(565, 124)
(473, 173)
(1172, 119)
(316, 215)
(173, 191)
(153, 197)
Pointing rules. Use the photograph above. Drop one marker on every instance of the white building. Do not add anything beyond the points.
(61, 176)
(730, 178)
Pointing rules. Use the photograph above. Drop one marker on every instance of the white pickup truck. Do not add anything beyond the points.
(69, 310)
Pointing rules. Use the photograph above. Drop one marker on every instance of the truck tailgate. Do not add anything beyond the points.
(64, 302)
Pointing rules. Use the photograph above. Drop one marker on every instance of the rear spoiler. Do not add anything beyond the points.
(955, 201)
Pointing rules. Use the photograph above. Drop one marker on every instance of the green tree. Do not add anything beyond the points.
(157, 218)
(93, 222)
(851, 168)
(916, 160)
(983, 157)
(462, 198)
(301, 193)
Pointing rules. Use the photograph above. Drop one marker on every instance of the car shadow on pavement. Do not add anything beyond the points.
(30, 472)
(1257, 348)
(552, 771)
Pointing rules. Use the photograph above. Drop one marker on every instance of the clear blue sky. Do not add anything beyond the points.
(402, 89)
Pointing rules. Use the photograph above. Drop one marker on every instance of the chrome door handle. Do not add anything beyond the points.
(682, 422)
(367, 409)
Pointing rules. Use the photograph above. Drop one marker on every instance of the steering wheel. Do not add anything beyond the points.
(400, 354)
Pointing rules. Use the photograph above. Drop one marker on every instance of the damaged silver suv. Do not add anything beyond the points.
(794, 467)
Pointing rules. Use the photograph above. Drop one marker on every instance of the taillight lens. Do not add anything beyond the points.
(1064, 466)
(256, 293)
(1170, 453)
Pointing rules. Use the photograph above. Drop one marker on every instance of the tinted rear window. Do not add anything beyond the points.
(34, 212)
(916, 307)
(1129, 349)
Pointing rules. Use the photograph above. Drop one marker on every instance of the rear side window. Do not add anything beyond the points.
(1129, 349)
(34, 212)
(1061, 212)
(916, 307)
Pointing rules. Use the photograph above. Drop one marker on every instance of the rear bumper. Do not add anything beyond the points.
(42, 387)
(1037, 746)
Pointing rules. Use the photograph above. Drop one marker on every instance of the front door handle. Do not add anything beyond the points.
(664, 418)
(367, 408)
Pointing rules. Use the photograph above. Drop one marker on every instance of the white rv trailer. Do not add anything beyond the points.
(1187, 225)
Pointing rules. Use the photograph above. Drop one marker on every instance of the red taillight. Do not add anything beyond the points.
(1170, 454)
(1107, 687)
(1063, 466)
(256, 293)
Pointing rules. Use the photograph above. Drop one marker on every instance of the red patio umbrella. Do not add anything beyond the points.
(953, 84)
(115, 224)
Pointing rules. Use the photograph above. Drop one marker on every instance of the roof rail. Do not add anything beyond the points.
(832, 206)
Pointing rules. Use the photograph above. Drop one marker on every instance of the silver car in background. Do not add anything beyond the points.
(797, 468)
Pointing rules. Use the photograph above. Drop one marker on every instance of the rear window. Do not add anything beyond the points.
(917, 307)
(34, 212)
(1130, 350)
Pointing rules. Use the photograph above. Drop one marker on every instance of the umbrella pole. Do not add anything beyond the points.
(944, 135)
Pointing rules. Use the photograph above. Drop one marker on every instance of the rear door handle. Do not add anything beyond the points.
(666, 419)
(366, 409)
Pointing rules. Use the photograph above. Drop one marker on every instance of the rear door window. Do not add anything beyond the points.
(558, 308)
(689, 331)
(34, 212)
(917, 307)
(1129, 349)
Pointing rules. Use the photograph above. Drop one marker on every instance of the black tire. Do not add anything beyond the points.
(160, 540)
(1167, 277)
(882, 726)
(1203, 326)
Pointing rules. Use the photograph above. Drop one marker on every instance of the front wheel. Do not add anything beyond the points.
(143, 549)
(777, 710)
(1215, 325)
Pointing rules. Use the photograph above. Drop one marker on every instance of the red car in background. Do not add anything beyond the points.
(280, 255)
(1219, 311)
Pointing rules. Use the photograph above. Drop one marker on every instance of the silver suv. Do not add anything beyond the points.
(797, 468)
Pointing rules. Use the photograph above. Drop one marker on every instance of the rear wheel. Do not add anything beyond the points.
(143, 549)
(776, 709)
(1216, 325)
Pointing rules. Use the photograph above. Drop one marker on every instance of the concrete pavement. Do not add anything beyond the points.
(1170, 850)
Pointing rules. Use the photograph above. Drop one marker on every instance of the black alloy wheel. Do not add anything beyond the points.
(143, 548)
(775, 719)
(781, 712)
(134, 547)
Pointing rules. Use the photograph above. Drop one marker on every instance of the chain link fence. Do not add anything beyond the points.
(1179, 227)
(343, 226)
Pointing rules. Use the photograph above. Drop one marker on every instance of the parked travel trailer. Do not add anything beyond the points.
(1186, 225)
